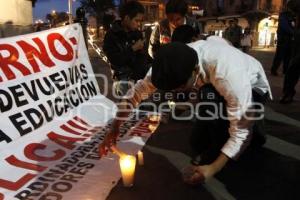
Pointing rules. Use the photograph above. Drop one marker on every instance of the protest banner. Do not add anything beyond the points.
(52, 119)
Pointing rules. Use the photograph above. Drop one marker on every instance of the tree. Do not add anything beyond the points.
(98, 8)
(57, 17)
(62, 17)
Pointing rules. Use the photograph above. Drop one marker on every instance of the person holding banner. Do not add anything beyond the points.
(124, 47)
(230, 84)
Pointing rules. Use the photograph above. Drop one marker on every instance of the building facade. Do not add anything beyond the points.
(260, 15)
(15, 17)
(154, 9)
(18, 12)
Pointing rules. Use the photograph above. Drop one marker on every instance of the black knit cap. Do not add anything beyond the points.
(173, 66)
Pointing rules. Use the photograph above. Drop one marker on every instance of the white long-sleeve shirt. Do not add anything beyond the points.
(233, 74)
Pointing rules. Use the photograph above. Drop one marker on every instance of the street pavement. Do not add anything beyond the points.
(272, 172)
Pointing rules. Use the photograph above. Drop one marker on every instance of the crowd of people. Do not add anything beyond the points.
(179, 58)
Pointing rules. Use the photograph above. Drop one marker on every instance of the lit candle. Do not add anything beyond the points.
(171, 104)
(154, 118)
(140, 158)
(152, 128)
(127, 165)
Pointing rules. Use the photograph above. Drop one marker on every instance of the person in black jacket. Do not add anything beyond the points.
(293, 73)
(285, 33)
(124, 47)
(234, 33)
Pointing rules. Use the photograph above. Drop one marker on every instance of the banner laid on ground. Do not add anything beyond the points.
(52, 119)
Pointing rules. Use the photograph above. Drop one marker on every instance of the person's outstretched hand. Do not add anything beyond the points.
(109, 140)
(138, 45)
(199, 174)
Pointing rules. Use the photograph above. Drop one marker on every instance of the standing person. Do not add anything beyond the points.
(80, 18)
(234, 33)
(237, 33)
(285, 33)
(293, 73)
(108, 20)
(246, 41)
(124, 47)
(176, 11)
(228, 81)
(38, 27)
(228, 34)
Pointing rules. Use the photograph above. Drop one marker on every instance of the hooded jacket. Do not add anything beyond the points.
(125, 63)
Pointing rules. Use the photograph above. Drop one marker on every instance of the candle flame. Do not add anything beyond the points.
(152, 128)
(127, 162)
(154, 118)
(171, 104)
(140, 158)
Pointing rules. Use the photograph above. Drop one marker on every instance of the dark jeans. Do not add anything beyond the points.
(283, 54)
(292, 76)
(209, 136)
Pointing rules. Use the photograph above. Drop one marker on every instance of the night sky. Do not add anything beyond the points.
(43, 7)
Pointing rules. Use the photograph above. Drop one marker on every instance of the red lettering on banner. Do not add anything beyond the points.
(82, 121)
(73, 40)
(138, 132)
(94, 130)
(73, 124)
(52, 38)
(144, 125)
(149, 121)
(11, 61)
(30, 51)
(30, 153)
(25, 165)
(86, 135)
(69, 130)
(143, 128)
(18, 184)
(67, 142)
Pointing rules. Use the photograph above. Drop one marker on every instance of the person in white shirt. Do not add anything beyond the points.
(224, 76)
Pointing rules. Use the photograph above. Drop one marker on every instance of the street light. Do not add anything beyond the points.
(70, 4)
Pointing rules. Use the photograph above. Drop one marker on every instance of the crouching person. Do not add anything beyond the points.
(227, 80)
